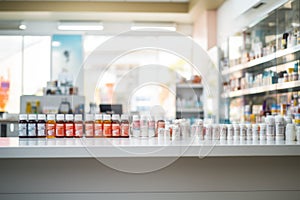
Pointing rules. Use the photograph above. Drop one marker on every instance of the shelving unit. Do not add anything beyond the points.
(280, 46)
(190, 105)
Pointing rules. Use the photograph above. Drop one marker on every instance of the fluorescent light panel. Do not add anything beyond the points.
(80, 26)
(146, 25)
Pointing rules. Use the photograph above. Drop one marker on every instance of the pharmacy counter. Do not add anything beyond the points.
(148, 169)
(124, 147)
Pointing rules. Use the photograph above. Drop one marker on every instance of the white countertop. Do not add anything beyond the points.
(123, 147)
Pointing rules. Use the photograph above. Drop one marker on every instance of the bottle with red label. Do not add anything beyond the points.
(60, 126)
(50, 126)
(151, 126)
(107, 126)
(89, 125)
(136, 126)
(69, 126)
(98, 125)
(124, 127)
(78, 126)
(115, 125)
(160, 126)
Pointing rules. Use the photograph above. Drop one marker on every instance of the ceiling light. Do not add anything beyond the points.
(157, 26)
(80, 26)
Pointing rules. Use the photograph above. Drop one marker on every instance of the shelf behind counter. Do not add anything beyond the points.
(139, 147)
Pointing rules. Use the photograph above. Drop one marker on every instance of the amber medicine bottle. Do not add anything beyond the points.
(22, 125)
(115, 125)
(124, 127)
(50, 126)
(32, 126)
(69, 126)
(60, 126)
(41, 126)
(107, 126)
(78, 126)
(89, 125)
(98, 125)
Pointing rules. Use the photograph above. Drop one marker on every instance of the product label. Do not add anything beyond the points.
(69, 129)
(136, 129)
(60, 130)
(270, 130)
(98, 130)
(78, 129)
(22, 130)
(115, 130)
(280, 129)
(50, 129)
(107, 130)
(41, 129)
(31, 129)
(124, 130)
(89, 130)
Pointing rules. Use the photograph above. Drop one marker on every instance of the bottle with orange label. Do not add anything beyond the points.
(89, 125)
(107, 126)
(60, 126)
(50, 126)
(78, 126)
(98, 125)
(124, 127)
(115, 125)
(69, 126)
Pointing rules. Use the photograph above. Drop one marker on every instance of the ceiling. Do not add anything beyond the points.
(180, 11)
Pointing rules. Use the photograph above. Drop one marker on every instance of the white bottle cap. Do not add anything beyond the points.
(50, 117)
(116, 117)
(106, 117)
(98, 116)
(22, 117)
(135, 118)
(124, 117)
(32, 116)
(89, 117)
(78, 117)
(279, 119)
(69, 117)
(60, 117)
(41, 116)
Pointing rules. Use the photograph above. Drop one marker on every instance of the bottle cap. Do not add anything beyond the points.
(51, 117)
(279, 118)
(135, 118)
(89, 117)
(106, 117)
(60, 117)
(32, 116)
(78, 117)
(124, 117)
(115, 117)
(22, 117)
(98, 116)
(69, 117)
(41, 116)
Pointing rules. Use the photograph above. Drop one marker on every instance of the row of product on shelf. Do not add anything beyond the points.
(274, 128)
(250, 80)
(94, 125)
(258, 50)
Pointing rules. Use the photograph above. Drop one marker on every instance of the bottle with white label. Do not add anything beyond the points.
(243, 132)
(69, 126)
(144, 126)
(230, 132)
(41, 126)
(98, 125)
(115, 125)
(223, 132)
(216, 132)
(279, 128)
(136, 126)
(23, 126)
(78, 126)
(249, 131)
(236, 132)
(208, 131)
(32, 126)
(151, 126)
(262, 132)
(270, 128)
(89, 125)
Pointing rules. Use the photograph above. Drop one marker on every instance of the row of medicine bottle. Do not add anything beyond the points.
(98, 125)
(275, 128)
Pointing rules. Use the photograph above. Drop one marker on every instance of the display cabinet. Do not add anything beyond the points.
(261, 71)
